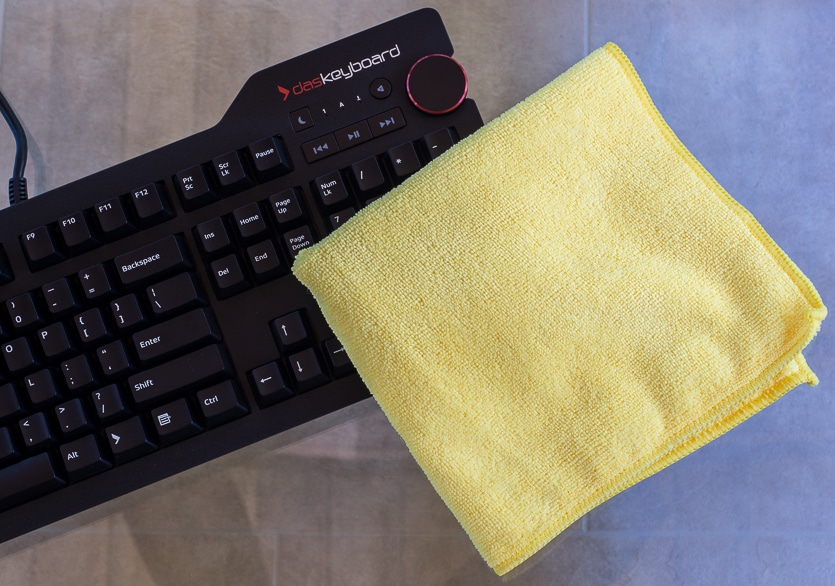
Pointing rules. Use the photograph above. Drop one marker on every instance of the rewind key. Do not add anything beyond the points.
(319, 148)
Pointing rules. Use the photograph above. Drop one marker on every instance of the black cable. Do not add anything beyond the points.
(17, 182)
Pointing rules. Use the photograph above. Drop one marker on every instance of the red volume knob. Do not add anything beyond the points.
(437, 84)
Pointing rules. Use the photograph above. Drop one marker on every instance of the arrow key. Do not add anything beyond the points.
(307, 370)
(269, 384)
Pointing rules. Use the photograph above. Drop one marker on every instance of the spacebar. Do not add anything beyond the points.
(186, 372)
(27, 480)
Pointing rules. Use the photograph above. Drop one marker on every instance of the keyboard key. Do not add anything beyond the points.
(368, 177)
(40, 248)
(8, 450)
(149, 203)
(194, 187)
(339, 218)
(71, 417)
(307, 370)
(353, 135)
(107, 402)
(58, 297)
(54, 341)
(35, 431)
(83, 458)
(9, 403)
(331, 188)
(76, 233)
(436, 143)
(228, 276)
(386, 122)
(112, 359)
(174, 422)
(220, 404)
(319, 148)
(41, 388)
(126, 312)
(297, 240)
(269, 158)
(264, 260)
(230, 173)
(27, 480)
(112, 218)
(337, 357)
(249, 221)
(94, 282)
(6, 274)
(404, 160)
(181, 374)
(150, 261)
(128, 440)
(18, 355)
(22, 311)
(269, 384)
(176, 293)
(77, 373)
(290, 330)
(175, 335)
(301, 119)
(286, 207)
(91, 327)
(212, 236)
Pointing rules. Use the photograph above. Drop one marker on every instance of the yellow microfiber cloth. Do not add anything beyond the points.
(560, 306)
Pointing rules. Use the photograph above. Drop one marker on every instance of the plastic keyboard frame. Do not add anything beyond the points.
(260, 110)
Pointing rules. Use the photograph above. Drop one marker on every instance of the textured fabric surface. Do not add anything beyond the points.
(561, 305)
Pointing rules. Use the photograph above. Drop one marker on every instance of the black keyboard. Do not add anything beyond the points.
(149, 321)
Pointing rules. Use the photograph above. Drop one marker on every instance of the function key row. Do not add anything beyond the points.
(86, 229)
(232, 172)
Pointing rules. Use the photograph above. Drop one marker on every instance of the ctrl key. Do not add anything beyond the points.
(220, 403)
(128, 440)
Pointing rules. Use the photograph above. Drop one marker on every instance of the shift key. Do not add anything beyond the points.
(151, 260)
(179, 375)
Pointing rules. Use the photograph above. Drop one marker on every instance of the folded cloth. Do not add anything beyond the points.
(560, 306)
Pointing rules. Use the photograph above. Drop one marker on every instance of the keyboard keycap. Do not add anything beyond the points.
(54, 341)
(9, 403)
(250, 221)
(404, 160)
(22, 311)
(175, 335)
(194, 187)
(228, 276)
(386, 122)
(270, 385)
(220, 403)
(337, 357)
(180, 374)
(112, 218)
(298, 239)
(91, 327)
(128, 440)
(83, 458)
(41, 388)
(368, 177)
(94, 282)
(112, 359)
(77, 373)
(264, 260)
(174, 422)
(290, 330)
(126, 312)
(229, 171)
(107, 402)
(27, 480)
(149, 203)
(35, 431)
(269, 158)
(58, 297)
(71, 417)
(438, 142)
(331, 188)
(286, 207)
(18, 355)
(319, 148)
(339, 218)
(76, 232)
(150, 261)
(173, 294)
(307, 370)
(353, 135)
(40, 249)
(212, 236)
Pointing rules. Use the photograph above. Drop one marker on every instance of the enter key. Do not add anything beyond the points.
(175, 335)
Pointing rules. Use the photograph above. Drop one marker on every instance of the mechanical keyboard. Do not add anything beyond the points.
(149, 321)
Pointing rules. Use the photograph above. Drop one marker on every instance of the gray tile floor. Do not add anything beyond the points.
(748, 85)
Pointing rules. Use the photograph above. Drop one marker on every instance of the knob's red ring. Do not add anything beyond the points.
(437, 112)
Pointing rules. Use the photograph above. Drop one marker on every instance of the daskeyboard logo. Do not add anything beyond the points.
(347, 72)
